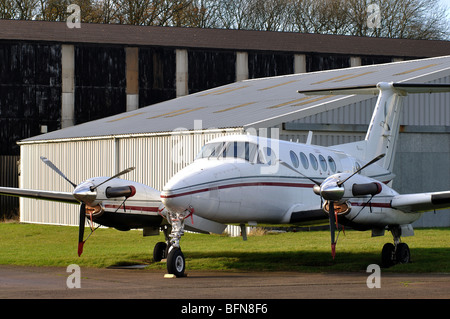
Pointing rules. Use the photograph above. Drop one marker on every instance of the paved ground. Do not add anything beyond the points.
(51, 283)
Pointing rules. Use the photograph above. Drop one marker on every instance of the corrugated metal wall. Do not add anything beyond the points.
(156, 158)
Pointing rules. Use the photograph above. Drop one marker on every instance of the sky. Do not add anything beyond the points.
(446, 3)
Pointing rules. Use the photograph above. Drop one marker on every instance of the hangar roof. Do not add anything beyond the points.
(257, 103)
(219, 39)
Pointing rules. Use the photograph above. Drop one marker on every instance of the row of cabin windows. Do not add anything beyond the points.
(324, 163)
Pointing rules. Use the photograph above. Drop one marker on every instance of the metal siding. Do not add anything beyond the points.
(77, 160)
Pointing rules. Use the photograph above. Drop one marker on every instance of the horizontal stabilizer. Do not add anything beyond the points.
(422, 202)
(422, 88)
(64, 197)
(402, 88)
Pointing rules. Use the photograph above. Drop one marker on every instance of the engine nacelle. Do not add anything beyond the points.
(120, 191)
(373, 189)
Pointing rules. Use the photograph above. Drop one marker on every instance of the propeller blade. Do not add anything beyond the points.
(115, 176)
(359, 170)
(81, 229)
(332, 228)
(291, 168)
(53, 167)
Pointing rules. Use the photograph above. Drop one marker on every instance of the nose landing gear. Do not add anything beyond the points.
(397, 253)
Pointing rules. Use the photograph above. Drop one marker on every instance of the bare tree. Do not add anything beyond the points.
(7, 9)
(413, 19)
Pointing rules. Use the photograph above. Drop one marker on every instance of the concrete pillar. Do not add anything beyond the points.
(68, 85)
(132, 74)
(241, 66)
(182, 72)
(299, 63)
(355, 61)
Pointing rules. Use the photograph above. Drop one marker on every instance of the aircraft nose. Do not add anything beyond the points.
(176, 197)
(176, 202)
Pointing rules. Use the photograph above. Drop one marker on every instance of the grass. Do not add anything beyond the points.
(46, 245)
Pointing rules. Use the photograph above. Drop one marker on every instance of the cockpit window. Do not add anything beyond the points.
(211, 149)
(244, 150)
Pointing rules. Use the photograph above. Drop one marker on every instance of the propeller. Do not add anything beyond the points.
(332, 190)
(53, 167)
(81, 229)
(86, 195)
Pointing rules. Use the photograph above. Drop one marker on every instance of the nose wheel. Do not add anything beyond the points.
(175, 262)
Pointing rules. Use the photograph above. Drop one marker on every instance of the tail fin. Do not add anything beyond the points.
(382, 134)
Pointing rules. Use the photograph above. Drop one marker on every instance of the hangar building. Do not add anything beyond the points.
(52, 77)
(162, 138)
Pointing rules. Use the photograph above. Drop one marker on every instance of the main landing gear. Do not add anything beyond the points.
(397, 253)
(171, 249)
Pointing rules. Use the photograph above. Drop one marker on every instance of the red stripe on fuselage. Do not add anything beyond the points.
(239, 185)
(138, 208)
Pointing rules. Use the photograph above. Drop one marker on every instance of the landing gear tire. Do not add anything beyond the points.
(160, 251)
(175, 262)
(388, 255)
(402, 254)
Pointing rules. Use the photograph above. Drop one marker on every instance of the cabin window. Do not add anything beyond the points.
(304, 160)
(313, 161)
(294, 159)
(323, 163)
(332, 164)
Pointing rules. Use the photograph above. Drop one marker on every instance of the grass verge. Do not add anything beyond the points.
(46, 245)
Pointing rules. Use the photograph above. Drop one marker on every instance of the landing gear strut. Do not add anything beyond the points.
(176, 263)
(397, 253)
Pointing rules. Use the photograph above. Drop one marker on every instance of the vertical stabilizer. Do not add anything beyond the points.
(382, 135)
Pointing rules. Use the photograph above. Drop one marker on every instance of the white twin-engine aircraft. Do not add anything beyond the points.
(253, 180)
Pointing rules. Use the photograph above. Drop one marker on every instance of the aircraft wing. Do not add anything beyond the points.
(421, 202)
(64, 197)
